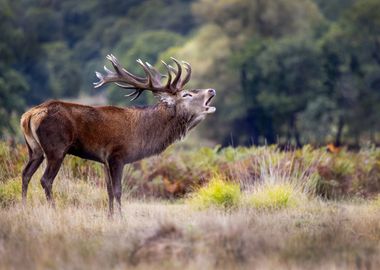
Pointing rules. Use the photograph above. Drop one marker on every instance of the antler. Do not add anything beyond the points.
(152, 81)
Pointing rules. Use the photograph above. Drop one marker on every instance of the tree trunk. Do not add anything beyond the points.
(294, 131)
(338, 136)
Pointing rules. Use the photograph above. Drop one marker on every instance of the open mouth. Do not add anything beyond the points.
(209, 100)
(209, 109)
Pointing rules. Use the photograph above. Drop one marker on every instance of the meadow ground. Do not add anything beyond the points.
(159, 235)
(256, 208)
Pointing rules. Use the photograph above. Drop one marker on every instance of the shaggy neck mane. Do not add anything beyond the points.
(157, 127)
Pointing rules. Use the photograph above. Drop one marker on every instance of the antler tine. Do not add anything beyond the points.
(132, 94)
(107, 70)
(115, 63)
(172, 69)
(125, 86)
(169, 82)
(147, 73)
(122, 71)
(101, 80)
(188, 74)
(156, 75)
(135, 77)
(138, 94)
(178, 75)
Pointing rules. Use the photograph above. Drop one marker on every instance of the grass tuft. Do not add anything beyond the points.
(275, 196)
(10, 193)
(218, 193)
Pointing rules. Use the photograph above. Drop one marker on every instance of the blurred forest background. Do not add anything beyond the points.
(298, 71)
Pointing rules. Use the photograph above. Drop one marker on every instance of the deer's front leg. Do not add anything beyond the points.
(116, 172)
(107, 175)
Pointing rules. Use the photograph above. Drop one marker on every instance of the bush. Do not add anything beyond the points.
(217, 193)
(177, 171)
(10, 193)
(275, 196)
(12, 160)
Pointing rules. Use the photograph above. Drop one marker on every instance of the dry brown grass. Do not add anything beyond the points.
(158, 235)
(312, 233)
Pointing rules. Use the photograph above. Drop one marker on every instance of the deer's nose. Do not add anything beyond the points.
(212, 91)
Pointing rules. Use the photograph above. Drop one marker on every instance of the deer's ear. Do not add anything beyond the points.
(166, 98)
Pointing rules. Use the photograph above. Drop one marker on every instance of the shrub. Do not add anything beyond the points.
(10, 193)
(178, 170)
(12, 160)
(275, 196)
(217, 193)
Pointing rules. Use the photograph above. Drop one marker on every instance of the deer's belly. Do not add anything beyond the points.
(79, 150)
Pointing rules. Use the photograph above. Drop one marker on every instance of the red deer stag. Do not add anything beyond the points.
(111, 135)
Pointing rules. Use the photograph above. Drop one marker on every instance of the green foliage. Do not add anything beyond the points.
(65, 78)
(332, 9)
(10, 192)
(217, 193)
(280, 97)
(276, 196)
(12, 159)
(288, 72)
(12, 87)
(75, 193)
(177, 172)
(292, 83)
(272, 18)
(51, 49)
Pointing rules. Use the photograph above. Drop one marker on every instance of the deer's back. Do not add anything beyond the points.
(85, 131)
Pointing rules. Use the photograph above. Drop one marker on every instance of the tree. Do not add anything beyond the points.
(242, 19)
(280, 78)
(333, 9)
(228, 26)
(64, 74)
(352, 63)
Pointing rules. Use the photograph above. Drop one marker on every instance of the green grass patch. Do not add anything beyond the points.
(65, 193)
(10, 192)
(218, 193)
(275, 196)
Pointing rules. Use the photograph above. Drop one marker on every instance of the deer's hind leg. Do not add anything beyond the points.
(35, 159)
(53, 163)
(55, 137)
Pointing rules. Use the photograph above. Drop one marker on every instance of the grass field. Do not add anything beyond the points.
(158, 235)
(233, 209)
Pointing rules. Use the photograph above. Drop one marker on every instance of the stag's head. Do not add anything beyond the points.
(169, 88)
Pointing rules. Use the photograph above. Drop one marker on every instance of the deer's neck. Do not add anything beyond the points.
(158, 127)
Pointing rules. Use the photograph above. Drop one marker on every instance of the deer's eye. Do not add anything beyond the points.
(187, 95)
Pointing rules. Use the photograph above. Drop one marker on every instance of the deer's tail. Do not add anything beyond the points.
(27, 128)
